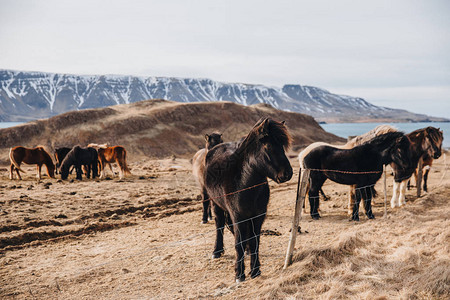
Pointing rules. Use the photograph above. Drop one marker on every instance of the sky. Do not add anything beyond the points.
(392, 53)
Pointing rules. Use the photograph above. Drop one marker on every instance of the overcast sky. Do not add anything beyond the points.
(392, 53)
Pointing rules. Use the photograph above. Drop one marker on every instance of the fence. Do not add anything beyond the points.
(300, 198)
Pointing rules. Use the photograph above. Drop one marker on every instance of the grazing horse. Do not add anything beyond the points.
(426, 143)
(198, 170)
(360, 166)
(236, 183)
(37, 156)
(78, 157)
(356, 141)
(60, 154)
(109, 155)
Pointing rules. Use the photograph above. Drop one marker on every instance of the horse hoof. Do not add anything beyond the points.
(204, 222)
(315, 216)
(255, 274)
(371, 217)
(240, 279)
(217, 255)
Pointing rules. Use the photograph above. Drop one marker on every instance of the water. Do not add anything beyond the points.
(9, 124)
(347, 129)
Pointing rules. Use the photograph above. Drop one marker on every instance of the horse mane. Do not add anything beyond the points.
(98, 146)
(265, 127)
(364, 138)
(382, 138)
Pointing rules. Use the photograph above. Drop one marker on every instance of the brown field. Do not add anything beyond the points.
(141, 238)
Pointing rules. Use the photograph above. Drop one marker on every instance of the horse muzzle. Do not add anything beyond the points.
(285, 176)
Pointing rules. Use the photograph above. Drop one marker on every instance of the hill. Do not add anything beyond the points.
(28, 96)
(156, 128)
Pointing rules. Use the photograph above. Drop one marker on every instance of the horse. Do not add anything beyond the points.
(356, 141)
(37, 156)
(198, 170)
(78, 157)
(360, 166)
(426, 143)
(236, 182)
(109, 155)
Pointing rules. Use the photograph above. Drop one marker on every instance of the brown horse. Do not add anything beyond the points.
(109, 155)
(198, 170)
(426, 143)
(35, 156)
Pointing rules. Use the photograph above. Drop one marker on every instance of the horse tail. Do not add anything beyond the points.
(126, 170)
(13, 161)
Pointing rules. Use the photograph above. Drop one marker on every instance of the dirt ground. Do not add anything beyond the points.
(141, 238)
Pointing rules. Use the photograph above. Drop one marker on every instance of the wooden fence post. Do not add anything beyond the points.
(302, 185)
(419, 177)
(385, 191)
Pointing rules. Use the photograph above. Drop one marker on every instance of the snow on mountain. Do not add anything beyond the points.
(33, 95)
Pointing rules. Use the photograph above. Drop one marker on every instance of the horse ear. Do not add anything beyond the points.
(206, 137)
(283, 122)
(264, 128)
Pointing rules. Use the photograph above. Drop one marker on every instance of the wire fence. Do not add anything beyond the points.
(179, 246)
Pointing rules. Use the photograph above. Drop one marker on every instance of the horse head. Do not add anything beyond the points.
(433, 142)
(212, 140)
(401, 152)
(271, 139)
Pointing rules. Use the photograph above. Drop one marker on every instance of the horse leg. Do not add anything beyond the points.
(79, 172)
(38, 170)
(112, 171)
(402, 197)
(88, 171)
(18, 172)
(241, 237)
(314, 203)
(254, 246)
(94, 169)
(102, 169)
(351, 199)
(206, 206)
(425, 178)
(325, 197)
(220, 224)
(395, 192)
(11, 172)
(367, 197)
(355, 213)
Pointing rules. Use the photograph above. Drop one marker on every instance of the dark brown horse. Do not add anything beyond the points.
(360, 166)
(35, 156)
(236, 182)
(114, 154)
(198, 170)
(426, 143)
(79, 157)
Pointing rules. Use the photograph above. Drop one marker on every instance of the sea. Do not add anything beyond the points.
(351, 129)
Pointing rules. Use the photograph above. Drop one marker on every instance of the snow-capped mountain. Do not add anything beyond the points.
(33, 95)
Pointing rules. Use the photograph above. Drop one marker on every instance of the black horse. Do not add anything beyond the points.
(347, 166)
(78, 157)
(236, 182)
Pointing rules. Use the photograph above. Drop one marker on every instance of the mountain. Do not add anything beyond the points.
(157, 128)
(33, 95)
